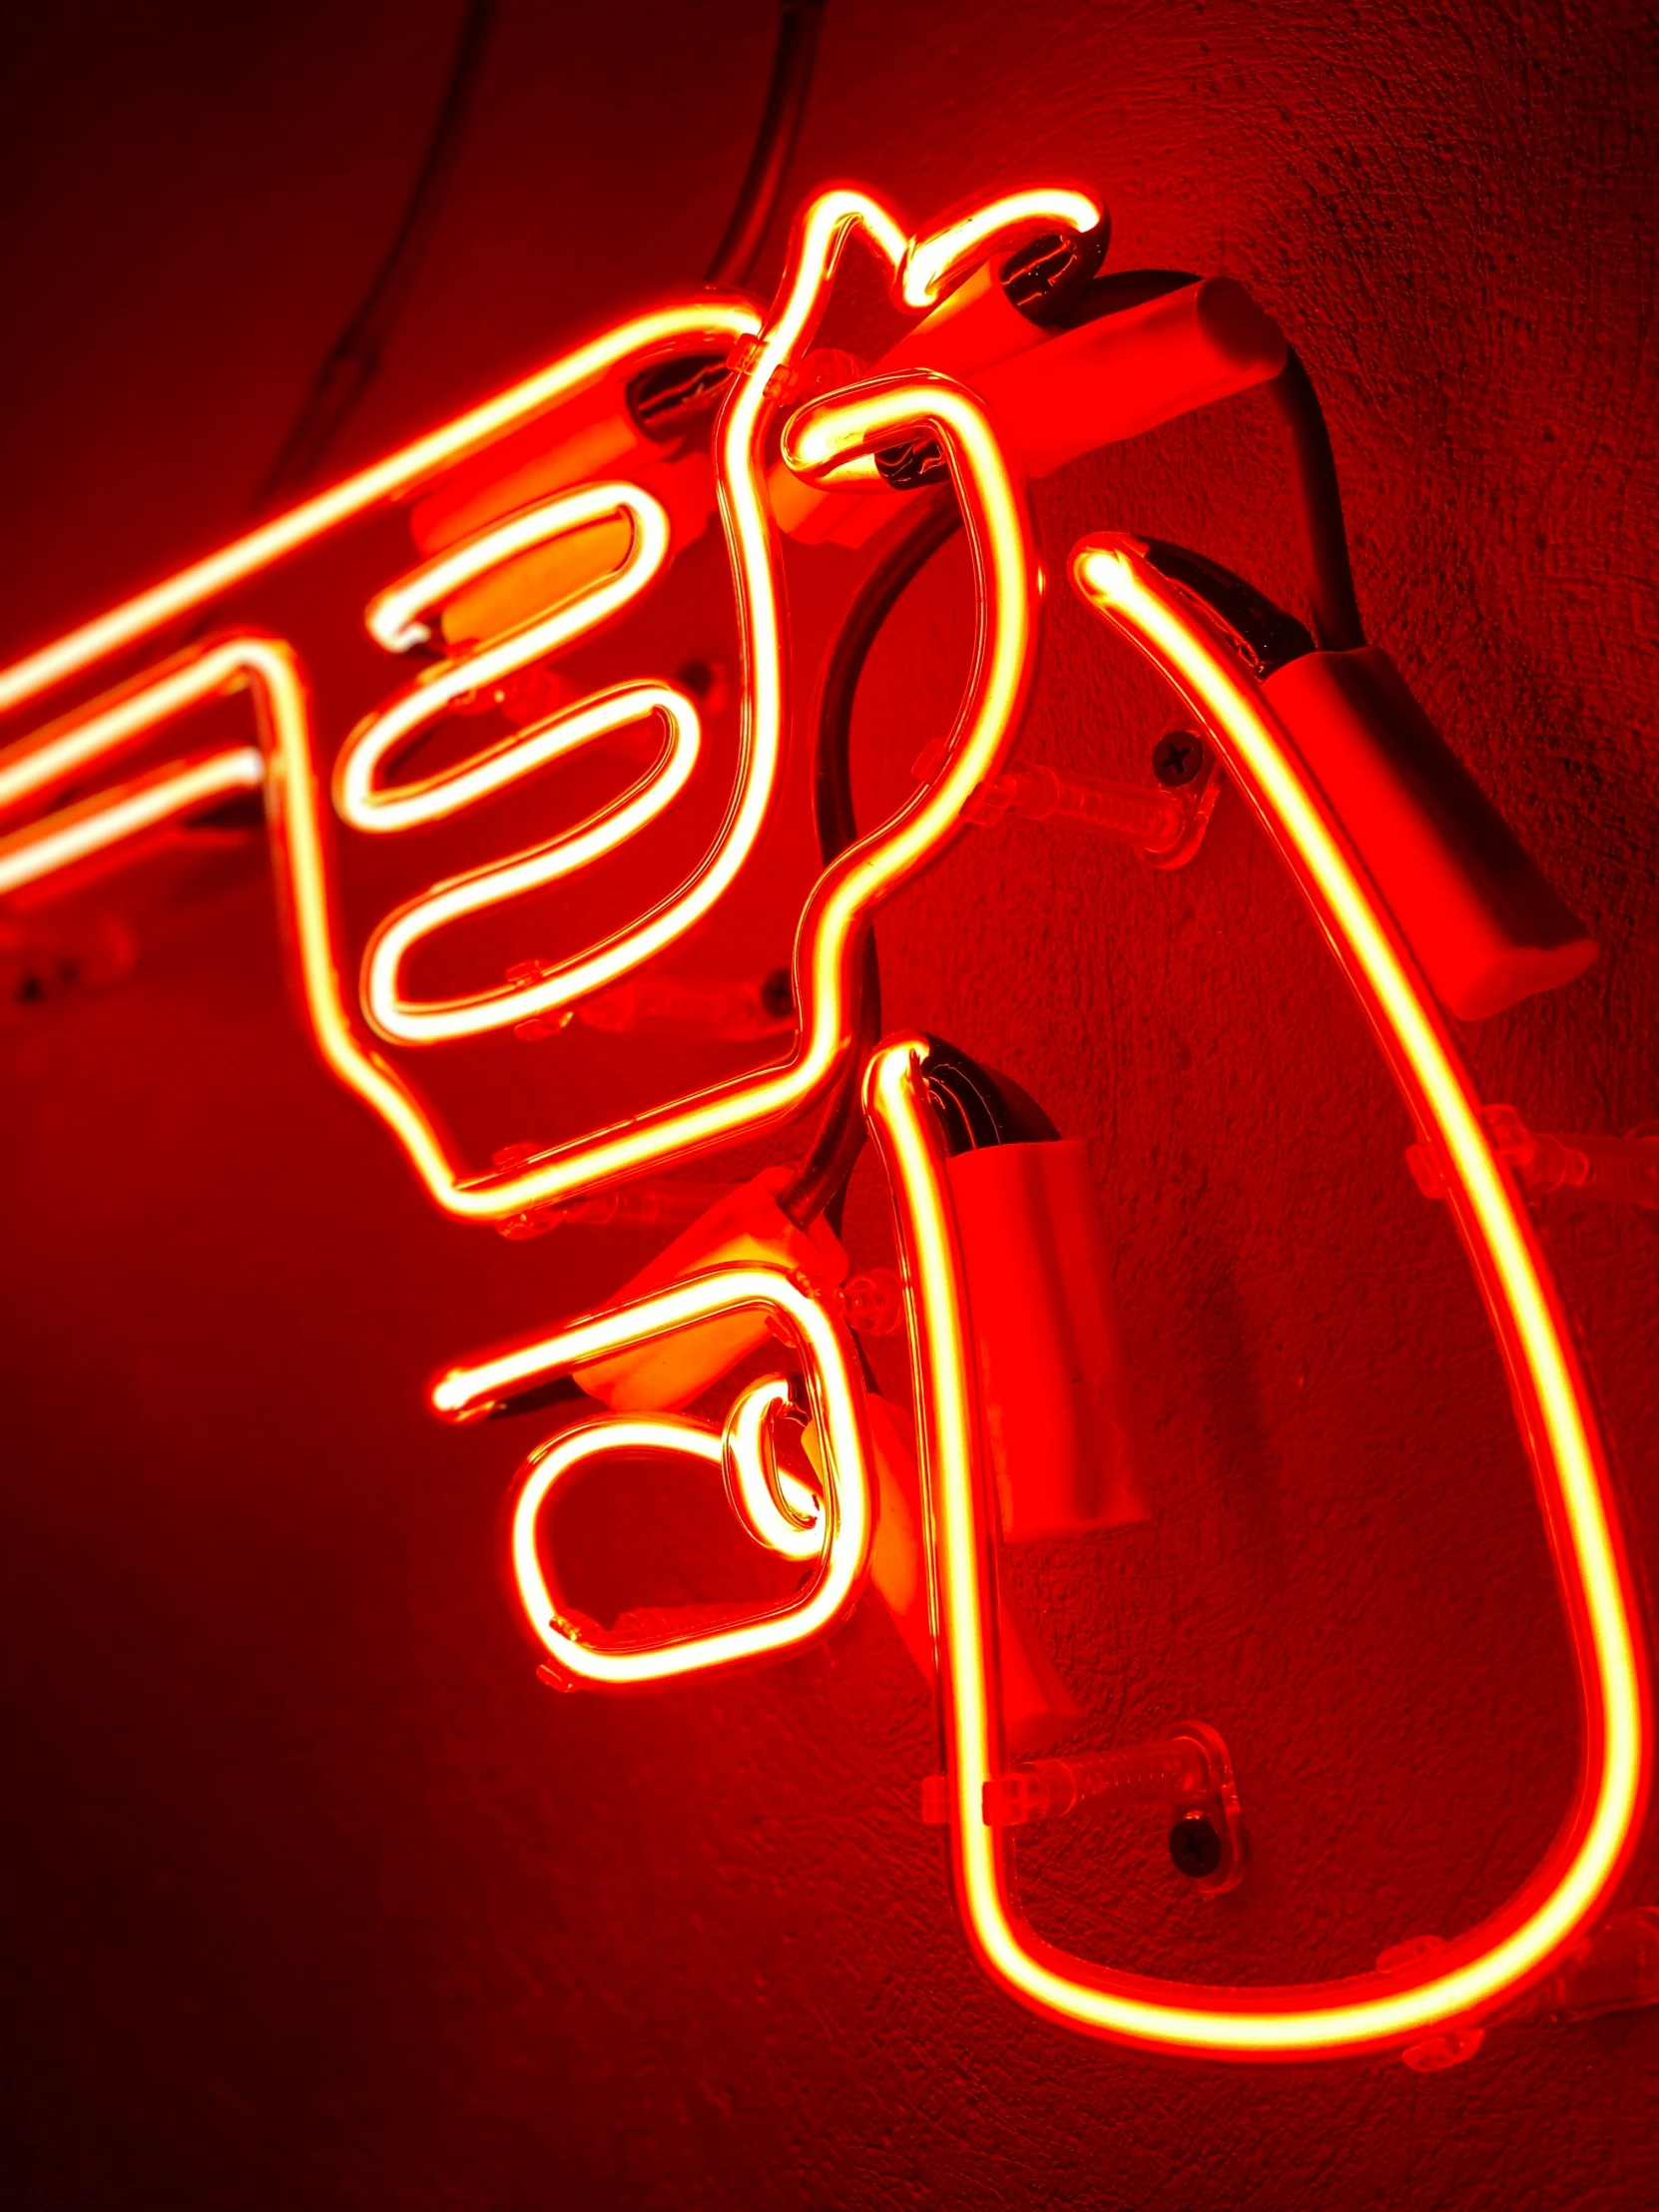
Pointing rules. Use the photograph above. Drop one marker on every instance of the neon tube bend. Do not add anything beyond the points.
(359, 797)
(779, 1511)
(660, 330)
(441, 1021)
(841, 1544)
(1479, 1972)
(850, 424)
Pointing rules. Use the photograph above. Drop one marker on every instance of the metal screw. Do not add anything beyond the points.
(1194, 1846)
(1177, 758)
(708, 683)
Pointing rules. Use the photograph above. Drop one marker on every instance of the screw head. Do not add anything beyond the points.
(708, 683)
(1177, 758)
(1194, 1846)
(777, 993)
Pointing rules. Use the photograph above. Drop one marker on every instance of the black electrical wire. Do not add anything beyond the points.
(820, 1184)
(791, 76)
(1319, 504)
(934, 523)
(966, 1100)
(353, 360)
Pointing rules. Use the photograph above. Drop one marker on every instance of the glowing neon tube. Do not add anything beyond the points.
(929, 263)
(778, 1509)
(829, 431)
(392, 619)
(436, 1022)
(268, 669)
(841, 1544)
(1479, 1973)
(834, 432)
(714, 317)
(75, 833)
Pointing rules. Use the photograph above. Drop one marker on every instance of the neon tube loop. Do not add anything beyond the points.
(1477, 1974)
(841, 1544)
(843, 899)
(378, 740)
(393, 618)
(775, 1508)
(438, 1022)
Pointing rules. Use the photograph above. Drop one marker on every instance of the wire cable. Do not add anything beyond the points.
(820, 1184)
(353, 360)
(800, 22)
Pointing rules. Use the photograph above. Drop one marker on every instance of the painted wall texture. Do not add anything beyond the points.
(313, 1894)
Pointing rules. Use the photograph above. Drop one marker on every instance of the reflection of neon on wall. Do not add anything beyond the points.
(827, 441)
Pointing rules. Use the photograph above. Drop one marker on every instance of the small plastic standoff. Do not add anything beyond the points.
(1186, 1776)
(873, 1302)
(1624, 1169)
(1165, 822)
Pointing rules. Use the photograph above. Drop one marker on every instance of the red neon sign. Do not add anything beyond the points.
(1474, 1974)
(838, 443)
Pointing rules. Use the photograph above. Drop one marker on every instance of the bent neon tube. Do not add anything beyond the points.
(76, 833)
(436, 1022)
(777, 1508)
(359, 797)
(853, 422)
(1477, 1974)
(662, 329)
(829, 933)
(393, 619)
(268, 669)
(929, 263)
(830, 927)
(739, 440)
(841, 1544)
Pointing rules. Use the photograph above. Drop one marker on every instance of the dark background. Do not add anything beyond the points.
(311, 1894)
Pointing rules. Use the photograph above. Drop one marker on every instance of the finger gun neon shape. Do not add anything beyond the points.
(830, 441)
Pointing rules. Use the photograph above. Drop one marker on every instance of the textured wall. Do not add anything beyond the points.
(313, 1896)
